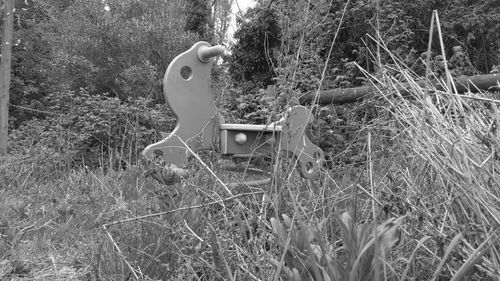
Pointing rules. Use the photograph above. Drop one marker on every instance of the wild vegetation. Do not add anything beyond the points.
(410, 189)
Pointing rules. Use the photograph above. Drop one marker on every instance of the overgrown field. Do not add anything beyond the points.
(410, 191)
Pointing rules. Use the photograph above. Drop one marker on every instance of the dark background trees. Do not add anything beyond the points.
(71, 45)
(124, 51)
(253, 57)
(120, 49)
(307, 29)
(87, 75)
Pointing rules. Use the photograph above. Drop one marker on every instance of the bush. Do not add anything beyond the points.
(92, 130)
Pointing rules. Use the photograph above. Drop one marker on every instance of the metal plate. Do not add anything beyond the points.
(259, 138)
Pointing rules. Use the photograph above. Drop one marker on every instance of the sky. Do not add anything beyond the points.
(243, 4)
(238, 6)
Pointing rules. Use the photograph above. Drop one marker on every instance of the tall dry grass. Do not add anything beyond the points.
(422, 205)
(445, 163)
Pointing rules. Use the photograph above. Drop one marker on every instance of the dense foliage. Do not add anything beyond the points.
(199, 18)
(122, 48)
(113, 48)
(96, 131)
(83, 68)
(253, 57)
(307, 30)
(285, 49)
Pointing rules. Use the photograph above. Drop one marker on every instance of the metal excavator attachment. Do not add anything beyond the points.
(186, 86)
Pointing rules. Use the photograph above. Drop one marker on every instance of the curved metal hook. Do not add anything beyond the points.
(186, 87)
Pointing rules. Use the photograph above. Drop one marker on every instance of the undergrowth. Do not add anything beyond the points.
(421, 203)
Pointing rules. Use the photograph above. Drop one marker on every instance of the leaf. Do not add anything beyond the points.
(325, 275)
(420, 243)
(473, 259)
(388, 232)
(303, 238)
(347, 220)
(452, 245)
(278, 229)
(287, 220)
(242, 105)
(349, 239)
(363, 235)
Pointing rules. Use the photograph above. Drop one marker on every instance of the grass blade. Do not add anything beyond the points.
(452, 245)
(473, 259)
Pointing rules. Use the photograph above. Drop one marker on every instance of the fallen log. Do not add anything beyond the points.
(349, 95)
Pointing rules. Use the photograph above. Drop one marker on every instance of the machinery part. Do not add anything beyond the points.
(186, 87)
(295, 140)
(257, 138)
(289, 133)
(265, 176)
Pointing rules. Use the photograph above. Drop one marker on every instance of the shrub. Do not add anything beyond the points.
(92, 130)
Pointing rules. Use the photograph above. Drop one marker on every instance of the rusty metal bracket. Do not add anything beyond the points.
(186, 88)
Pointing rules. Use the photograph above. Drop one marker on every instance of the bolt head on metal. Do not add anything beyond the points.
(240, 138)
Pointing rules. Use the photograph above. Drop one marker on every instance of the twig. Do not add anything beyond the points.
(428, 70)
(249, 274)
(205, 165)
(374, 212)
(323, 73)
(472, 97)
(36, 110)
(192, 232)
(281, 263)
(120, 252)
(216, 251)
(428, 58)
(182, 209)
(449, 80)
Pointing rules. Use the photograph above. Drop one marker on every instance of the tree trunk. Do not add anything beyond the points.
(8, 22)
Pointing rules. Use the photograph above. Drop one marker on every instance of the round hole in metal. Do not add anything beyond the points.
(309, 167)
(186, 72)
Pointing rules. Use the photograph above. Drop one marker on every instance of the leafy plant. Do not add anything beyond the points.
(252, 56)
(198, 19)
(308, 257)
(117, 48)
(247, 104)
(92, 130)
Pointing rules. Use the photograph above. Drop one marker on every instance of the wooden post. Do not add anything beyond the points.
(8, 26)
